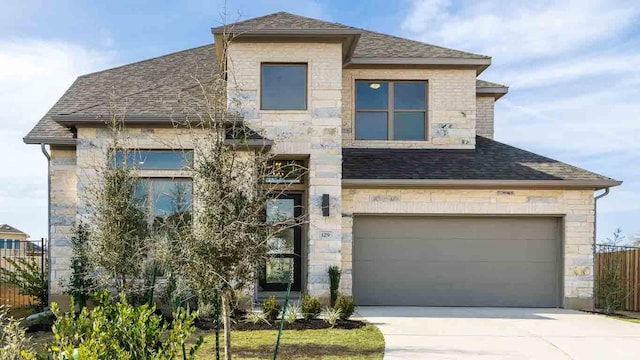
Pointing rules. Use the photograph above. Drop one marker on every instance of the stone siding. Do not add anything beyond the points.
(484, 122)
(576, 206)
(313, 133)
(63, 193)
(451, 108)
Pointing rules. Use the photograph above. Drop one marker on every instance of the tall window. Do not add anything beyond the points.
(391, 110)
(166, 197)
(283, 87)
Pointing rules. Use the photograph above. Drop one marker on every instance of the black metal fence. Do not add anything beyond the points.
(12, 252)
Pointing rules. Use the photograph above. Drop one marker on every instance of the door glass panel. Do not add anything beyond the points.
(283, 243)
(280, 210)
(279, 270)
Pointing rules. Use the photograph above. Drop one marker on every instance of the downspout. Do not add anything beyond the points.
(48, 156)
(595, 239)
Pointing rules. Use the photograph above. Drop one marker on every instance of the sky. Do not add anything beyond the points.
(573, 67)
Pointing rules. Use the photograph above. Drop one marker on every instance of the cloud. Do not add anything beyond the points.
(34, 73)
(519, 29)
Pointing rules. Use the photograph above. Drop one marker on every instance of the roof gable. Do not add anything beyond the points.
(6, 228)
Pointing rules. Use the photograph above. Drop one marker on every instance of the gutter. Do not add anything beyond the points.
(43, 148)
(586, 184)
(595, 239)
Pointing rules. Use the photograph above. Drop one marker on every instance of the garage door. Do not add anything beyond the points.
(457, 261)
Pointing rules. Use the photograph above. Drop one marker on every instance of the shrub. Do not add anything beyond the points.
(14, 343)
(334, 282)
(292, 313)
(119, 331)
(270, 308)
(255, 317)
(311, 307)
(331, 316)
(26, 274)
(80, 284)
(611, 291)
(346, 305)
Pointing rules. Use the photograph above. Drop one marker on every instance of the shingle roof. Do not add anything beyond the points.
(370, 45)
(491, 160)
(153, 86)
(487, 84)
(5, 228)
(147, 87)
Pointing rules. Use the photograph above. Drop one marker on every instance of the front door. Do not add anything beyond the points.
(285, 249)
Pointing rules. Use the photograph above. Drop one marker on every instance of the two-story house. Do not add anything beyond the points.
(425, 208)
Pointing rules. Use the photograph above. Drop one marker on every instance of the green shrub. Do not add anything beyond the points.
(292, 313)
(311, 307)
(120, 331)
(14, 343)
(334, 282)
(270, 308)
(331, 316)
(255, 317)
(26, 274)
(346, 305)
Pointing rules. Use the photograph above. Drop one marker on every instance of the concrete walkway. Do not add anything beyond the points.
(501, 333)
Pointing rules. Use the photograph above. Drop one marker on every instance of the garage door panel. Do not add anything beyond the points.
(457, 262)
(455, 250)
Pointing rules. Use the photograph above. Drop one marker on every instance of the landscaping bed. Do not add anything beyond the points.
(313, 324)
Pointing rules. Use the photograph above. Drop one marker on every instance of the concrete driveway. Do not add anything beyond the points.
(501, 333)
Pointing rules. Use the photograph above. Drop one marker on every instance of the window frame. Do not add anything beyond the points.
(306, 84)
(390, 110)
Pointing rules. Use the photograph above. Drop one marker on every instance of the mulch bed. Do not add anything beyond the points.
(298, 325)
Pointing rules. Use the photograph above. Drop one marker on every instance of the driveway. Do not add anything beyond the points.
(501, 333)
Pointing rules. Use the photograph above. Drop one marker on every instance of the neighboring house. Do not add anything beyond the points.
(425, 208)
(12, 241)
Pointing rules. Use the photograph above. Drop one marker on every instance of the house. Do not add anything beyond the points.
(12, 240)
(425, 207)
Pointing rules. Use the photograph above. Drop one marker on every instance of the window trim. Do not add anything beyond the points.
(390, 110)
(306, 84)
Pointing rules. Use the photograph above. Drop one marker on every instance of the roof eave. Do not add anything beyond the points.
(48, 141)
(496, 92)
(94, 120)
(564, 184)
(480, 64)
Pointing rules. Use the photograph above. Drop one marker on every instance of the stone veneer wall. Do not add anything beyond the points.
(576, 206)
(313, 133)
(484, 119)
(63, 194)
(451, 108)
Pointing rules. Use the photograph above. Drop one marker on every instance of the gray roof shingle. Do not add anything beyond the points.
(154, 86)
(151, 86)
(487, 84)
(491, 160)
(6, 228)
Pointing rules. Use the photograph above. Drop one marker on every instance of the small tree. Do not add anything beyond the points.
(27, 275)
(119, 223)
(235, 180)
(81, 284)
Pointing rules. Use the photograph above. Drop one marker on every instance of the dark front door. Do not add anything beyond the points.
(284, 249)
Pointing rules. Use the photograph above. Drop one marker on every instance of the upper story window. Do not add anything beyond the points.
(283, 87)
(155, 159)
(391, 110)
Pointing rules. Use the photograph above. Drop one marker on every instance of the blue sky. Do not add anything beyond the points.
(573, 68)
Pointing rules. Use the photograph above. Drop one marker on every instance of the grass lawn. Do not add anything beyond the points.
(364, 343)
(632, 320)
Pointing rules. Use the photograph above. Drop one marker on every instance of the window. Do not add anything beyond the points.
(391, 110)
(155, 159)
(16, 244)
(286, 172)
(283, 87)
(9, 244)
(1, 243)
(166, 197)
